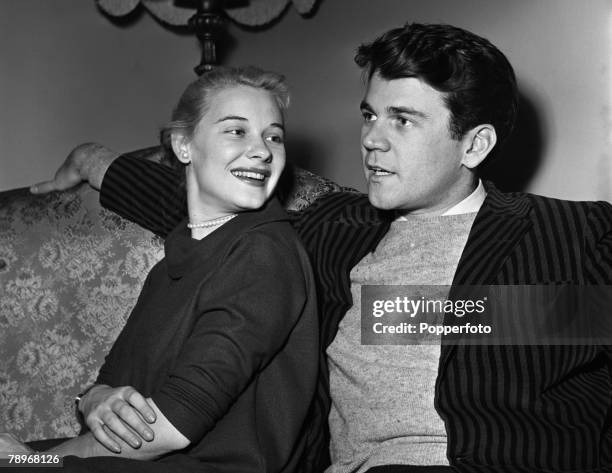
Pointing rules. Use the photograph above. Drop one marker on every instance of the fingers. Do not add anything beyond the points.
(43, 187)
(131, 417)
(102, 436)
(122, 411)
(139, 402)
(67, 175)
(120, 429)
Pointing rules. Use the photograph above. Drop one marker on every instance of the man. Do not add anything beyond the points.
(438, 101)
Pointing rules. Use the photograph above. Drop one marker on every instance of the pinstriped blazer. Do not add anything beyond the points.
(506, 409)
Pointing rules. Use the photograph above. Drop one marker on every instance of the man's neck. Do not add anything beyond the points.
(469, 204)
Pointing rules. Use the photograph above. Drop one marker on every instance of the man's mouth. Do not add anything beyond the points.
(378, 171)
(251, 175)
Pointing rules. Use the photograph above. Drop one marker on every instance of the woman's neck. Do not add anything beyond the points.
(203, 219)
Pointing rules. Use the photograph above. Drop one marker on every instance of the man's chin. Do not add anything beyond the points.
(380, 201)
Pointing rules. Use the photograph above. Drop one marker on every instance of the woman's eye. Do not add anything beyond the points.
(236, 132)
(275, 139)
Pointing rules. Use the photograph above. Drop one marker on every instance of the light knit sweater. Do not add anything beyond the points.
(383, 396)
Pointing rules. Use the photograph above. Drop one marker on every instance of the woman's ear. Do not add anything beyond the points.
(180, 146)
(479, 142)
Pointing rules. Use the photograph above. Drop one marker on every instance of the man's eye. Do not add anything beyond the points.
(368, 116)
(404, 122)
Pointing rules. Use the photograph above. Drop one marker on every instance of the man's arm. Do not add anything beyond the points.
(147, 193)
(599, 244)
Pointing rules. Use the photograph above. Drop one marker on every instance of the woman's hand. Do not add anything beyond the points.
(123, 411)
(9, 445)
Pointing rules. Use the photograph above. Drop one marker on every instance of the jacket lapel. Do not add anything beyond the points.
(502, 220)
(350, 237)
(499, 225)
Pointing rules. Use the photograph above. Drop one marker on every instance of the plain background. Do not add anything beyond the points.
(69, 74)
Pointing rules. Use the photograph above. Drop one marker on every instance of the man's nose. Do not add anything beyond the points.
(373, 138)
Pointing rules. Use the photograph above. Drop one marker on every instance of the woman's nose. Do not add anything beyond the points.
(259, 150)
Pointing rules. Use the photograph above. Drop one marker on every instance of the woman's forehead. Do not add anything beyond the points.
(245, 101)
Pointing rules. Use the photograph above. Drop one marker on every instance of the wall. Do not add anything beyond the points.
(68, 74)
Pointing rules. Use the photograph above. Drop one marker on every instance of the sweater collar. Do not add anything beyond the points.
(364, 213)
(183, 253)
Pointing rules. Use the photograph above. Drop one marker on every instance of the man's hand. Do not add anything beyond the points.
(86, 162)
(123, 411)
(9, 445)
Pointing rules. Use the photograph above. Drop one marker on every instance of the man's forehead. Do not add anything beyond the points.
(404, 92)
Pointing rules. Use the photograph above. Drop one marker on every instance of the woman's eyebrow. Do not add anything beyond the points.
(232, 117)
(243, 119)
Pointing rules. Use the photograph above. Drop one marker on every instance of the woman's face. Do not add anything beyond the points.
(237, 153)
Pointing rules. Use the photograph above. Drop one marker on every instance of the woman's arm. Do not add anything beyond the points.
(251, 305)
(167, 439)
(256, 299)
(123, 411)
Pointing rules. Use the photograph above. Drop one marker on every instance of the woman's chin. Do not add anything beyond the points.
(251, 203)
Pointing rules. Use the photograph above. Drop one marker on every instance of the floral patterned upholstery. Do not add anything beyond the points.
(70, 273)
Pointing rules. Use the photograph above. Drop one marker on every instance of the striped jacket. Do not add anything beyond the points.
(506, 408)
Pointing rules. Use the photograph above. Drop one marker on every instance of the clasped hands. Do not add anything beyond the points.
(117, 413)
(111, 414)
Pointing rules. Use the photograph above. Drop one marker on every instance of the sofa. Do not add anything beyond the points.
(70, 272)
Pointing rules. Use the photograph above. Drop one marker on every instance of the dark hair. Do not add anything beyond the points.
(476, 78)
(195, 100)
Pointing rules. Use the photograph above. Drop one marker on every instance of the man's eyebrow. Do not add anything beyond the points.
(406, 111)
(395, 110)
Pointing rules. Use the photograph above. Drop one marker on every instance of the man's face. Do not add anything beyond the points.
(410, 160)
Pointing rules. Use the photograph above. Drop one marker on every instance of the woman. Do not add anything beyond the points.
(222, 342)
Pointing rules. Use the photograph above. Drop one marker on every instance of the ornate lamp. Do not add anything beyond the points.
(207, 18)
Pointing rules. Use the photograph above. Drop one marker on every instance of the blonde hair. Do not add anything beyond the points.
(195, 100)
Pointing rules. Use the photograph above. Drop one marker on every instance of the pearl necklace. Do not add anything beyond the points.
(215, 222)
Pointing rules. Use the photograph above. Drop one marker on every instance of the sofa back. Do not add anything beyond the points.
(70, 273)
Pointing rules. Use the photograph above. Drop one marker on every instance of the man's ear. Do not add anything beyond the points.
(478, 143)
(180, 146)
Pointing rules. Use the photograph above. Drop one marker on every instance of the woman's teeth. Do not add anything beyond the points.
(249, 174)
